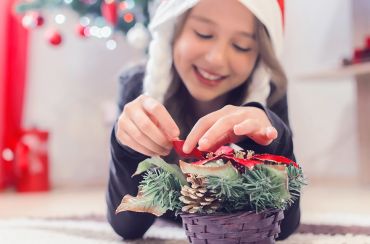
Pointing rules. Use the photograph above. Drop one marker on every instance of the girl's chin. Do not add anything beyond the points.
(203, 96)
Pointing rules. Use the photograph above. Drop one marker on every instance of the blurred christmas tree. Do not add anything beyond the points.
(98, 18)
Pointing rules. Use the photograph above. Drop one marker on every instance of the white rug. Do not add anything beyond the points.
(41, 231)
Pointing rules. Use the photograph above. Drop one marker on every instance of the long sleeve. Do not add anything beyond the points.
(124, 160)
(282, 145)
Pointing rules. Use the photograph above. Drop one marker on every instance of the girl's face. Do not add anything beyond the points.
(216, 49)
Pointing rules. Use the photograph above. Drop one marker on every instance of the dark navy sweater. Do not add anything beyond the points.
(124, 160)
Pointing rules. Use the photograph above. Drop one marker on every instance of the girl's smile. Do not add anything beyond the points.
(208, 78)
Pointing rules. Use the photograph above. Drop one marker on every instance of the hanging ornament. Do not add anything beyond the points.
(54, 37)
(138, 36)
(32, 20)
(128, 17)
(82, 31)
(109, 11)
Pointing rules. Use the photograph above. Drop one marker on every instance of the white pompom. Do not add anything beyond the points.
(138, 36)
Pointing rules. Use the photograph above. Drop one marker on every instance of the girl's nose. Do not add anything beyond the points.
(217, 55)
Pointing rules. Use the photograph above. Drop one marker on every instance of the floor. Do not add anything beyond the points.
(318, 200)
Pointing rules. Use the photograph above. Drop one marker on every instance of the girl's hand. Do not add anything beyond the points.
(228, 125)
(146, 126)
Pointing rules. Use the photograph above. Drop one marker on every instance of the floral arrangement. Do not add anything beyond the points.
(224, 181)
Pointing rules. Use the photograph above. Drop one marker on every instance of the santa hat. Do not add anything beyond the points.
(158, 74)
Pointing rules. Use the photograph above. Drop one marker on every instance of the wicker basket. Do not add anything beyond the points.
(242, 227)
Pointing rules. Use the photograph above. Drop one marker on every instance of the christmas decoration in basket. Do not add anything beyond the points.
(227, 196)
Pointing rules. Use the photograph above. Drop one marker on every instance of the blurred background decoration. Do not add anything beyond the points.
(69, 89)
(58, 103)
(98, 19)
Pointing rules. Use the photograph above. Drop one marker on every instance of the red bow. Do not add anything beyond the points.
(227, 153)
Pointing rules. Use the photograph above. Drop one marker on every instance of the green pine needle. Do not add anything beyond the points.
(296, 181)
(164, 188)
(266, 188)
(230, 191)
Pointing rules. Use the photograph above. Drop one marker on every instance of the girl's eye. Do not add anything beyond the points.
(241, 49)
(203, 36)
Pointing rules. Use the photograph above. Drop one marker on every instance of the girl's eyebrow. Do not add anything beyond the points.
(208, 21)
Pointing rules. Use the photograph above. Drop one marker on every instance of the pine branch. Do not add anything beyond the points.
(164, 187)
(25, 6)
(266, 188)
(296, 181)
(230, 191)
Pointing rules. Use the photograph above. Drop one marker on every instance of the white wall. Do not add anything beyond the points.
(70, 89)
(69, 85)
(323, 112)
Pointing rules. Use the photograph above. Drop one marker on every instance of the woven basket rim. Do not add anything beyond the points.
(219, 214)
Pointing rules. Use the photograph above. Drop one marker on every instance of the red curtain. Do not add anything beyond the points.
(13, 64)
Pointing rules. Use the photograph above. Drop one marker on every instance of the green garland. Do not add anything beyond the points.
(164, 187)
(262, 187)
(140, 11)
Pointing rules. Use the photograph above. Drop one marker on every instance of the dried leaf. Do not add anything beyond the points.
(140, 203)
(226, 171)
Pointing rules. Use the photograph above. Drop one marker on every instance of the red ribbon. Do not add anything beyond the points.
(227, 153)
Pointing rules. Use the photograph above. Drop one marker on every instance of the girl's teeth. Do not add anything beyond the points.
(209, 76)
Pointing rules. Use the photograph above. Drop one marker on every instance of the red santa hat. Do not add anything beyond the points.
(158, 74)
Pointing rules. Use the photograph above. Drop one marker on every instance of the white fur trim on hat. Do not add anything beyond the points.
(158, 70)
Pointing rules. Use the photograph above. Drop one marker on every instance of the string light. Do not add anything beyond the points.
(129, 17)
(60, 19)
(8, 154)
(111, 44)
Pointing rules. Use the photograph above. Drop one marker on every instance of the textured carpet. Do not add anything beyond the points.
(94, 230)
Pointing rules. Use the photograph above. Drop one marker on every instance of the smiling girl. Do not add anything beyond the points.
(212, 77)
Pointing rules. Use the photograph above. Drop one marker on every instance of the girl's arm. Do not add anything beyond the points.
(129, 225)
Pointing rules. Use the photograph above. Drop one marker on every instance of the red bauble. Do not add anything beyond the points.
(82, 31)
(32, 20)
(39, 19)
(109, 11)
(54, 37)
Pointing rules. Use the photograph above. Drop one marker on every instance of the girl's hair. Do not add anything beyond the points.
(177, 99)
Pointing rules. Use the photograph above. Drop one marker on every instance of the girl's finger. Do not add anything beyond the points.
(220, 132)
(132, 130)
(147, 127)
(159, 114)
(202, 125)
(125, 139)
(271, 132)
(247, 127)
(259, 134)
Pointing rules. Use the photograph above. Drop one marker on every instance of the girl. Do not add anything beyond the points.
(212, 77)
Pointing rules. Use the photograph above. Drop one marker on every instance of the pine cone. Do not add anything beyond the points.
(198, 198)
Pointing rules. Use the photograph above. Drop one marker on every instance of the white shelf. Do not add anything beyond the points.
(339, 72)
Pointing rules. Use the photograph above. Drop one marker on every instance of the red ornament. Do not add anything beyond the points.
(32, 20)
(39, 20)
(109, 11)
(82, 30)
(54, 37)
(32, 161)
